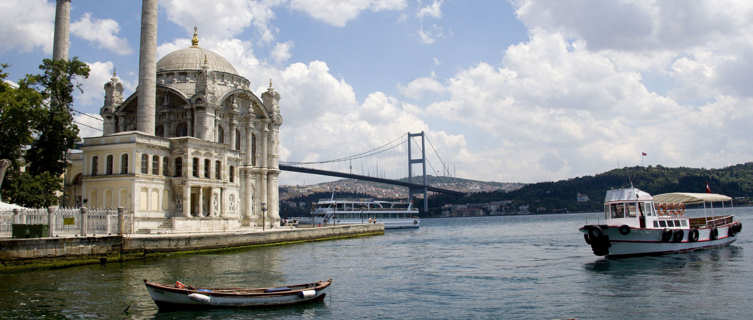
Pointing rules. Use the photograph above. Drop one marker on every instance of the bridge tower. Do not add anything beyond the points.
(421, 161)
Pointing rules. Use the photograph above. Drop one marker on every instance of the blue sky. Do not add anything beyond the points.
(520, 90)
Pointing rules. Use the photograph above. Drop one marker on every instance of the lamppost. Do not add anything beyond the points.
(263, 215)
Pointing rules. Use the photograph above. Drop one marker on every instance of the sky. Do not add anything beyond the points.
(509, 91)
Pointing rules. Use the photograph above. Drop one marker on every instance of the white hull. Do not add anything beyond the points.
(388, 223)
(649, 241)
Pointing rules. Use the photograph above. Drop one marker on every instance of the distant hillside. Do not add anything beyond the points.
(562, 196)
(386, 191)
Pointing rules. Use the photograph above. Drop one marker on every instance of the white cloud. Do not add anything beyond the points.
(26, 24)
(431, 34)
(338, 13)
(223, 19)
(281, 52)
(433, 10)
(421, 87)
(103, 32)
(100, 72)
(646, 25)
(89, 124)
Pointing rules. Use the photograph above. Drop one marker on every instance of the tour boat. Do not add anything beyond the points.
(180, 296)
(393, 214)
(635, 223)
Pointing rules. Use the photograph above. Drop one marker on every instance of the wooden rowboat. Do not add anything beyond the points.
(180, 296)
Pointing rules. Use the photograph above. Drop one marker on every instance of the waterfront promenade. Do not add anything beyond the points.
(56, 252)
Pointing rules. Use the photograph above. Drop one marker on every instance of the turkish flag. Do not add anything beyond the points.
(708, 189)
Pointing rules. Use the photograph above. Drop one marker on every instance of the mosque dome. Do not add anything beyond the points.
(193, 58)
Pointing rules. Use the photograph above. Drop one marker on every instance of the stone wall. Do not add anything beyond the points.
(25, 254)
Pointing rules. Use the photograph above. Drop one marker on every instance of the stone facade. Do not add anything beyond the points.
(212, 162)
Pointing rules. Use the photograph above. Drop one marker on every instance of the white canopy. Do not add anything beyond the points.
(690, 198)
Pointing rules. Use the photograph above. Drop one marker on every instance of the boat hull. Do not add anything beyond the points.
(168, 298)
(641, 242)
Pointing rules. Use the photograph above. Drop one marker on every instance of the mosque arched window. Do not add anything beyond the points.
(155, 165)
(237, 139)
(144, 164)
(124, 164)
(253, 149)
(218, 170)
(195, 167)
(108, 165)
(165, 166)
(220, 134)
(95, 161)
(178, 167)
(207, 165)
(181, 130)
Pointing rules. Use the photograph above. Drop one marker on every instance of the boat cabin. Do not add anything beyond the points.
(638, 209)
(629, 206)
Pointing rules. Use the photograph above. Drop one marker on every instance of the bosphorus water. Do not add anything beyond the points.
(515, 267)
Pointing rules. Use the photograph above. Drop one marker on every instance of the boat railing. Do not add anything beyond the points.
(710, 222)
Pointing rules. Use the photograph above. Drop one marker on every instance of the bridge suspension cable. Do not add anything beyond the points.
(380, 149)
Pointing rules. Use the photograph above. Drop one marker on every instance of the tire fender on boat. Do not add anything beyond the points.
(666, 235)
(198, 297)
(307, 294)
(693, 235)
(677, 235)
(714, 234)
(595, 233)
(624, 229)
(587, 238)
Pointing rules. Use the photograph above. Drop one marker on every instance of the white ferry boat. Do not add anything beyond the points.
(393, 214)
(635, 223)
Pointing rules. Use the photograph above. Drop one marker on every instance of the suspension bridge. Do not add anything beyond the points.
(413, 187)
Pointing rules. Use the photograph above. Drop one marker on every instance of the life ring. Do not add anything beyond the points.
(666, 235)
(595, 233)
(677, 235)
(624, 229)
(714, 234)
(693, 235)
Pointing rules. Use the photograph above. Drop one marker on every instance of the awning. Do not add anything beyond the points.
(690, 198)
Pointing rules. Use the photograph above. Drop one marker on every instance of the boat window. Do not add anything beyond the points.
(606, 211)
(645, 209)
(662, 224)
(684, 223)
(656, 224)
(670, 223)
(618, 210)
(631, 209)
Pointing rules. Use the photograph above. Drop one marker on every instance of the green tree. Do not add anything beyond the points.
(36, 117)
(57, 132)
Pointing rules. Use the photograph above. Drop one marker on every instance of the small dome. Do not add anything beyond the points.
(192, 58)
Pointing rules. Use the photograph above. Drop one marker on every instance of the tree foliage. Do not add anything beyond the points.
(37, 129)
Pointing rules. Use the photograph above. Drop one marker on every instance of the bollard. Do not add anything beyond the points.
(84, 221)
(51, 220)
(121, 220)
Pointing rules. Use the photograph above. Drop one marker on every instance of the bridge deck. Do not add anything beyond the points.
(414, 186)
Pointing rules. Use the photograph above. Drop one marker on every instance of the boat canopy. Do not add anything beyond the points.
(627, 194)
(690, 198)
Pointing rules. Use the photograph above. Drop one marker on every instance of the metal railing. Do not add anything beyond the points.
(69, 221)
